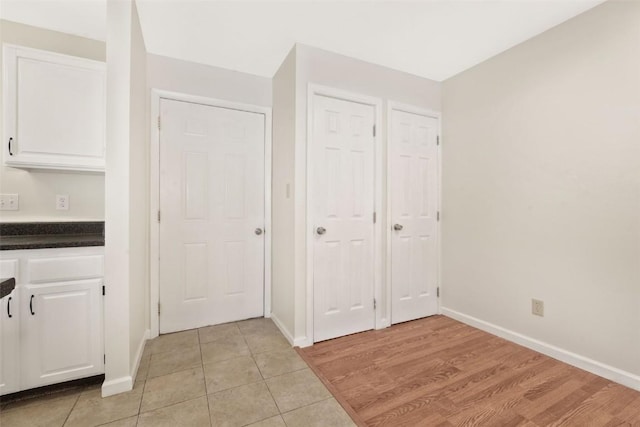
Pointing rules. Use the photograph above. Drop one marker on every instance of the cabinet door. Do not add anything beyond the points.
(54, 110)
(61, 332)
(9, 343)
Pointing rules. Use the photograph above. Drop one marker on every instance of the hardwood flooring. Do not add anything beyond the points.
(440, 372)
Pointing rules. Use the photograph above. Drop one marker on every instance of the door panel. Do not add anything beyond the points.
(343, 203)
(414, 200)
(212, 201)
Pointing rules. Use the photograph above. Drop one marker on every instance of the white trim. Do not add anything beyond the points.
(302, 342)
(376, 103)
(398, 106)
(287, 334)
(139, 352)
(603, 370)
(154, 183)
(119, 385)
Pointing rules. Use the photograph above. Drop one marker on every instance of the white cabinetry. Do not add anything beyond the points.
(54, 110)
(9, 332)
(54, 333)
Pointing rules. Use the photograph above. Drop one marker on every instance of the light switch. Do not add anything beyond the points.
(62, 202)
(9, 202)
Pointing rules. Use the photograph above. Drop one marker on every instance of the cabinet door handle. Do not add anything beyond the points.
(10, 153)
(9, 307)
(31, 305)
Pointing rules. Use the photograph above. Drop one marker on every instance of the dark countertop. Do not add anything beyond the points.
(41, 235)
(7, 286)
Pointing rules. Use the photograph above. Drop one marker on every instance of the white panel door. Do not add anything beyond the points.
(414, 210)
(342, 217)
(212, 215)
(61, 335)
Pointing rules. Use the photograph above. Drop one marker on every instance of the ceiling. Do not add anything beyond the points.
(435, 39)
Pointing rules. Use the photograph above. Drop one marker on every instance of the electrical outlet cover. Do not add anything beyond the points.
(9, 202)
(537, 307)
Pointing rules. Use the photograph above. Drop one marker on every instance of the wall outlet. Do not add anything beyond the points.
(9, 202)
(62, 202)
(537, 307)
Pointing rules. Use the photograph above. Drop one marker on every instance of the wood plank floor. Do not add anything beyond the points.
(440, 372)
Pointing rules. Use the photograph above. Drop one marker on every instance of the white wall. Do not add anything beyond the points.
(138, 196)
(126, 227)
(37, 189)
(117, 226)
(341, 72)
(283, 168)
(541, 195)
(203, 80)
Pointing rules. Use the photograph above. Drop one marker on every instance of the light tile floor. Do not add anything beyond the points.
(236, 374)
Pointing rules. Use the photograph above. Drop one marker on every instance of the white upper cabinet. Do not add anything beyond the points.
(54, 110)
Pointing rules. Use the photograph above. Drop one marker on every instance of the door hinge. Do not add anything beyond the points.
(103, 290)
(158, 309)
(438, 216)
(438, 140)
(158, 216)
(438, 292)
(158, 122)
(374, 130)
(374, 217)
(104, 359)
(375, 304)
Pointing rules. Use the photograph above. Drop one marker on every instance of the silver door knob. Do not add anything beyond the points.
(321, 230)
(397, 227)
(258, 231)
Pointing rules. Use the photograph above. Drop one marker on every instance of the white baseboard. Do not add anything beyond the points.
(606, 371)
(282, 328)
(119, 385)
(123, 384)
(139, 351)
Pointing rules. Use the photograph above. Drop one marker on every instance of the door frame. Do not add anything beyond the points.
(407, 108)
(154, 202)
(316, 89)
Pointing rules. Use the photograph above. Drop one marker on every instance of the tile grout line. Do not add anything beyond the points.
(73, 407)
(204, 378)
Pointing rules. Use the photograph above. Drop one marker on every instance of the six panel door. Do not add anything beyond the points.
(212, 215)
(343, 205)
(414, 210)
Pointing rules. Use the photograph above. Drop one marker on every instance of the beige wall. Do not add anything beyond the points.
(38, 189)
(203, 80)
(282, 237)
(541, 187)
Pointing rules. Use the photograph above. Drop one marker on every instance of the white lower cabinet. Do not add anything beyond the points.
(52, 323)
(10, 343)
(61, 333)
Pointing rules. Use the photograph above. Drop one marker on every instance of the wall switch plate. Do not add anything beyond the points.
(62, 202)
(9, 202)
(537, 307)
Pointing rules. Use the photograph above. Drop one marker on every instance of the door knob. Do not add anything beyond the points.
(258, 231)
(397, 227)
(321, 230)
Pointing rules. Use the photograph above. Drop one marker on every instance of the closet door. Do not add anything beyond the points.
(414, 177)
(342, 217)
